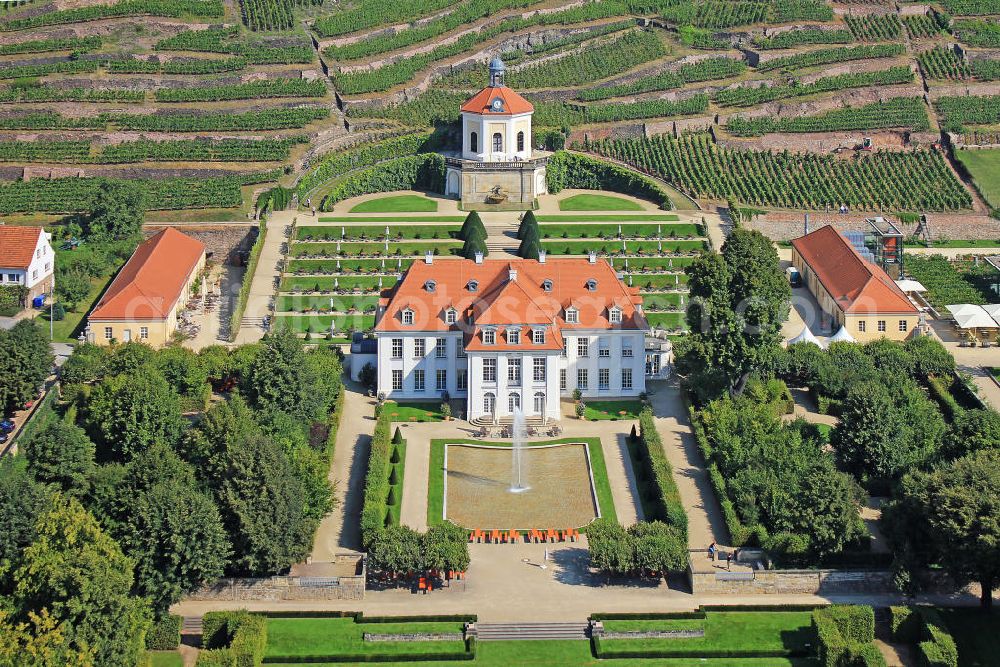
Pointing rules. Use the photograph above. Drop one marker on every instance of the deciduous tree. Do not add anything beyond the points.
(63, 455)
(127, 413)
(117, 213)
(25, 362)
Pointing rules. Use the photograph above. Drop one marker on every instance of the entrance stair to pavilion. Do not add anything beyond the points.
(501, 238)
(531, 631)
(533, 421)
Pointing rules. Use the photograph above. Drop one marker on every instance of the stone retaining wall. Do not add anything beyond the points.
(275, 589)
(227, 244)
(781, 226)
(810, 582)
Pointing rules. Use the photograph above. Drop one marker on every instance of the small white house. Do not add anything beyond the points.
(27, 258)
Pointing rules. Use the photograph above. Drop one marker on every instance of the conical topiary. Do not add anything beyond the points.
(395, 456)
(473, 245)
(473, 226)
(529, 249)
(397, 437)
(393, 477)
(388, 519)
(527, 222)
(391, 501)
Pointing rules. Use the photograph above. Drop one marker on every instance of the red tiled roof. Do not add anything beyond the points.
(857, 286)
(151, 282)
(512, 102)
(17, 246)
(499, 302)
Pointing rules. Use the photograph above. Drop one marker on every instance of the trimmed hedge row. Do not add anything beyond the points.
(671, 506)
(374, 506)
(233, 639)
(570, 170)
(359, 617)
(924, 628)
(241, 303)
(664, 616)
(846, 635)
(164, 634)
(424, 171)
(739, 534)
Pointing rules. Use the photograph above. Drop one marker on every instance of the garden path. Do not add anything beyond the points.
(705, 523)
(265, 278)
(340, 530)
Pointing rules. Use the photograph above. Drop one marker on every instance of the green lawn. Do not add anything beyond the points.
(68, 329)
(570, 247)
(332, 637)
(369, 232)
(338, 303)
(395, 219)
(377, 248)
(984, 166)
(661, 301)
(632, 217)
(397, 204)
(327, 284)
(666, 320)
(349, 265)
(976, 634)
(967, 243)
(166, 659)
(415, 411)
(726, 633)
(321, 323)
(603, 410)
(583, 230)
(590, 202)
(656, 281)
(435, 479)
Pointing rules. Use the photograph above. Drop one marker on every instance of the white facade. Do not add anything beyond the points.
(602, 364)
(489, 138)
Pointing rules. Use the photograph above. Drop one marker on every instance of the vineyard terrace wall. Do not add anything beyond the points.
(780, 226)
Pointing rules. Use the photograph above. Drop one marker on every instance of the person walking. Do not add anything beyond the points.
(711, 551)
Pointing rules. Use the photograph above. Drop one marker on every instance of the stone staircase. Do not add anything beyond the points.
(191, 625)
(533, 421)
(252, 322)
(501, 239)
(530, 631)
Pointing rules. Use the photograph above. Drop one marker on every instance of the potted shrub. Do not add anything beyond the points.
(580, 409)
(446, 412)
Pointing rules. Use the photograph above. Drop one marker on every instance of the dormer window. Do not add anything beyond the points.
(430, 285)
(473, 285)
(615, 315)
(547, 285)
(592, 285)
(538, 336)
(513, 336)
(450, 316)
(489, 337)
(407, 316)
(572, 316)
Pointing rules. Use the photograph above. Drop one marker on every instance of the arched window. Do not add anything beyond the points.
(514, 402)
(539, 403)
(497, 142)
(520, 142)
(474, 142)
(489, 402)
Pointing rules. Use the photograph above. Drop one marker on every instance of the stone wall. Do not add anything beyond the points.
(228, 243)
(273, 589)
(786, 226)
(809, 582)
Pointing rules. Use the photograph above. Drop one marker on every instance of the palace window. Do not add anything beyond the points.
(442, 380)
(626, 348)
(626, 378)
(538, 365)
(514, 402)
(603, 349)
(489, 337)
(419, 381)
(440, 347)
(474, 142)
(489, 402)
(514, 372)
(514, 336)
(497, 142)
(143, 333)
(407, 316)
(419, 347)
(615, 315)
(881, 325)
(108, 335)
(903, 325)
(581, 378)
(450, 316)
(473, 285)
(562, 379)
(539, 403)
(397, 380)
(397, 348)
(489, 370)
(520, 141)
(462, 380)
(582, 347)
(604, 378)
(572, 316)
(538, 336)
(862, 326)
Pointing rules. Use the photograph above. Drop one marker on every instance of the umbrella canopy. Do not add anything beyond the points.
(993, 309)
(973, 318)
(806, 337)
(910, 286)
(958, 308)
(842, 336)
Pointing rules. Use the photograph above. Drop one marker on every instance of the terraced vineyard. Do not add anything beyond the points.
(331, 99)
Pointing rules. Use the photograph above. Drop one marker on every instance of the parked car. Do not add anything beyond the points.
(3, 438)
(6, 426)
(794, 277)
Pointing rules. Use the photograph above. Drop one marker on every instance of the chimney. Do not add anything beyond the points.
(429, 257)
(807, 223)
(479, 258)
(512, 275)
(541, 256)
(592, 257)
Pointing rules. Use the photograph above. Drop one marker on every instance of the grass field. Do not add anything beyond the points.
(397, 204)
(321, 323)
(326, 283)
(344, 637)
(415, 411)
(654, 217)
(984, 166)
(592, 230)
(166, 659)
(394, 219)
(604, 410)
(666, 320)
(435, 480)
(68, 329)
(590, 202)
(338, 303)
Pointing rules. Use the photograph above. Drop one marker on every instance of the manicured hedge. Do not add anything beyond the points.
(374, 508)
(164, 634)
(241, 303)
(846, 635)
(359, 617)
(739, 534)
(937, 647)
(233, 638)
(570, 170)
(424, 171)
(905, 624)
(665, 616)
(662, 473)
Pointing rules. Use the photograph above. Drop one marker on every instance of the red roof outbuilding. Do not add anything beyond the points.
(17, 246)
(153, 280)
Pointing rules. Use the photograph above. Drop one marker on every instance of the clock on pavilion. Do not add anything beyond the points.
(496, 165)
